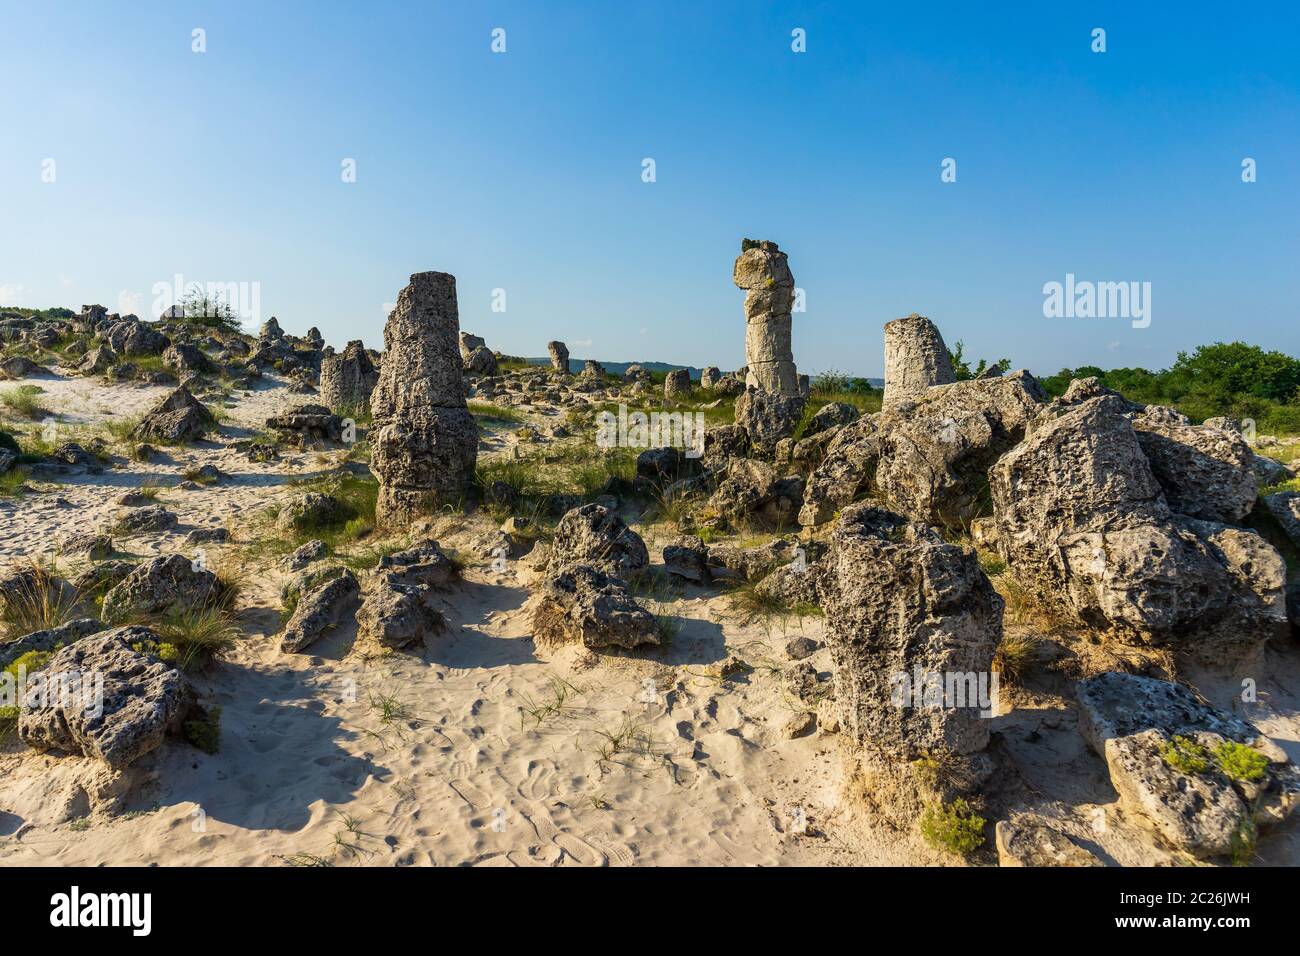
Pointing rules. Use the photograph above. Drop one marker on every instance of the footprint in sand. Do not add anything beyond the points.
(538, 785)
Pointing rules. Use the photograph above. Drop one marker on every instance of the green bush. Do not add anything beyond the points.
(955, 827)
(204, 731)
(1240, 762)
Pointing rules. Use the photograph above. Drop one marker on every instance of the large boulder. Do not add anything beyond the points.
(1205, 471)
(677, 384)
(753, 491)
(348, 378)
(424, 440)
(139, 701)
(1203, 778)
(584, 604)
(927, 456)
(847, 471)
(307, 425)
(1083, 523)
(184, 359)
(481, 362)
(591, 534)
(906, 612)
(767, 417)
(180, 417)
(168, 584)
(319, 610)
(397, 614)
(936, 450)
(559, 353)
(916, 358)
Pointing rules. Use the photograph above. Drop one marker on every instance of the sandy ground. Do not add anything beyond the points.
(648, 760)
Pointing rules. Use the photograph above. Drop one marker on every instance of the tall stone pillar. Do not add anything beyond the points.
(762, 271)
(915, 359)
(424, 440)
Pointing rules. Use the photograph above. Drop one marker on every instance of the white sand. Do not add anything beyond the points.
(308, 770)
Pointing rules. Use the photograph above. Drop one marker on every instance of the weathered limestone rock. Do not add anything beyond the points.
(582, 603)
(559, 353)
(319, 610)
(311, 511)
(481, 362)
(166, 584)
(1082, 522)
(348, 378)
(424, 439)
(396, 614)
(423, 564)
(180, 417)
(184, 359)
(755, 491)
(307, 425)
(130, 336)
(143, 699)
(50, 639)
(271, 331)
(677, 384)
(97, 361)
(847, 471)
(19, 366)
(767, 417)
(152, 518)
(1194, 803)
(1285, 507)
(831, 415)
(1204, 471)
(593, 535)
(468, 343)
(915, 359)
(709, 376)
(935, 451)
(904, 609)
(688, 558)
(763, 272)
(1028, 839)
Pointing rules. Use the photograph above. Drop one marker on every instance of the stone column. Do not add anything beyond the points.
(559, 357)
(915, 359)
(347, 379)
(762, 271)
(424, 440)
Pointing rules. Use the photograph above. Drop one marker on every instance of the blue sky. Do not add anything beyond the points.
(523, 171)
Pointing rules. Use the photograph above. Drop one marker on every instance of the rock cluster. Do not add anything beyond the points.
(1203, 778)
(1081, 520)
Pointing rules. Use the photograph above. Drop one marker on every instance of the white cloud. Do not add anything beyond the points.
(582, 343)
